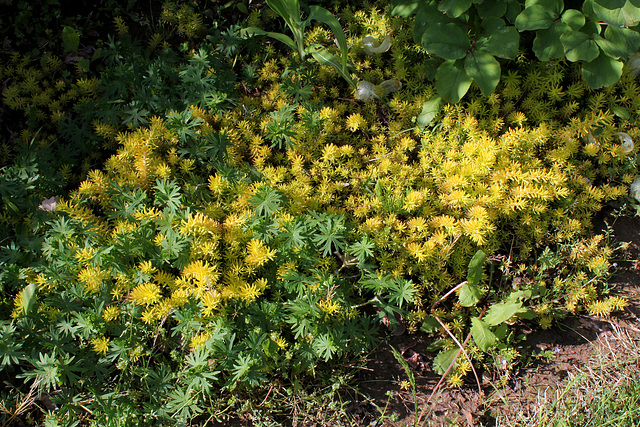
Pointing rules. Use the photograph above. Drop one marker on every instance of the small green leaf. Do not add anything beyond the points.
(444, 359)
(547, 44)
(469, 295)
(602, 71)
(573, 18)
(517, 296)
(454, 46)
(501, 332)
(430, 324)
(452, 82)
(488, 9)
(499, 40)
(535, 18)
(28, 298)
(454, 8)
(476, 267)
(484, 69)
(404, 8)
(482, 335)
(501, 312)
(591, 28)
(526, 313)
(402, 291)
(362, 249)
(266, 201)
(70, 39)
(430, 110)
(578, 46)
(270, 347)
(621, 112)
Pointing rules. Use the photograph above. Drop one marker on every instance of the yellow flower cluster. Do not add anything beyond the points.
(92, 278)
(258, 253)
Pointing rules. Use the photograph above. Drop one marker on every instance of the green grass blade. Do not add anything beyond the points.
(254, 31)
(324, 57)
(322, 15)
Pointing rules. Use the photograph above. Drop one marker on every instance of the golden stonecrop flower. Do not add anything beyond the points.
(84, 255)
(200, 340)
(111, 313)
(418, 251)
(329, 306)
(258, 253)
(92, 278)
(413, 200)
(147, 268)
(211, 302)
(250, 292)
(355, 121)
(217, 184)
(203, 273)
(145, 294)
(100, 345)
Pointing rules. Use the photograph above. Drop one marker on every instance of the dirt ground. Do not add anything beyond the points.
(573, 342)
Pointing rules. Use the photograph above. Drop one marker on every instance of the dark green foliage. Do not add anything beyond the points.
(481, 35)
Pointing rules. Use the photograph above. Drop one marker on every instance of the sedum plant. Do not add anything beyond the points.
(216, 283)
(232, 246)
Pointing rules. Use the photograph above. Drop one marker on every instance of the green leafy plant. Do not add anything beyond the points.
(245, 237)
(291, 12)
(601, 37)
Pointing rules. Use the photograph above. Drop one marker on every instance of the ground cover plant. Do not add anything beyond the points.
(197, 222)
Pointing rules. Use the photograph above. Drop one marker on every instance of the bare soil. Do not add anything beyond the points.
(382, 402)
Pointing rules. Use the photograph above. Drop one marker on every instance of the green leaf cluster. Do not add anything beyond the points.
(291, 12)
(483, 37)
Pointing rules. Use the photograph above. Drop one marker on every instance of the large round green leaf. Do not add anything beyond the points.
(547, 43)
(484, 69)
(578, 46)
(535, 18)
(602, 71)
(573, 18)
(404, 8)
(452, 82)
(447, 41)
(491, 8)
(555, 6)
(499, 39)
(626, 16)
(610, 48)
(625, 39)
(454, 8)
(427, 16)
(611, 4)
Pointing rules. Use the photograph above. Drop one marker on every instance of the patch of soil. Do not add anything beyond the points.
(383, 402)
